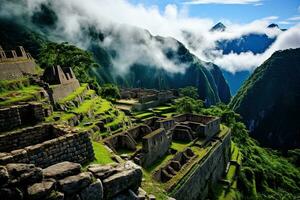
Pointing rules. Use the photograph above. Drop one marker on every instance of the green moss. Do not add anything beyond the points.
(144, 115)
(102, 155)
(153, 187)
(74, 94)
(85, 107)
(21, 95)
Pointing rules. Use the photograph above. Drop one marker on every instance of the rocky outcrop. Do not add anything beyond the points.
(64, 181)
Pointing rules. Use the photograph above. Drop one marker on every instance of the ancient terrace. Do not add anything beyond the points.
(192, 146)
(50, 119)
(137, 99)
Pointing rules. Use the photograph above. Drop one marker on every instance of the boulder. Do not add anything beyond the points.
(74, 184)
(93, 192)
(151, 197)
(62, 170)
(24, 174)
(119, 182)
(102, 171)
(141, 194)
(3, 175)
(41, 190)
(11, 194)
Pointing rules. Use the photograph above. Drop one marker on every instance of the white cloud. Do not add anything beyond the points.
(295, 18)
(255, 2)
(247, 61)
(285, 22)
(134, 46)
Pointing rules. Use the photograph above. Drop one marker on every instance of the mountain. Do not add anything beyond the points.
(269, 101)
(211, 84)
(253, 42)
(218, 27)
(207, 77)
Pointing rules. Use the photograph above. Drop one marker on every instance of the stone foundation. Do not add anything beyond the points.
(66, 181)
(21, 115)
(44, 145)
(208, 171)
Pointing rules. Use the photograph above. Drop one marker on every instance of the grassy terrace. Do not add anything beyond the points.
(151, 186)
(76, 93)
(20, 95)
(202, 153)
(224, 193)
(102, 155)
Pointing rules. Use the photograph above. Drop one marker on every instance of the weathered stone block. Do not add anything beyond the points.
(73, 184)
(62, 170)
(41, 190)
(93, 192)
(122, 181)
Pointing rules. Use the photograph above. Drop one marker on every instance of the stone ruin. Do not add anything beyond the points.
(147, 98)
(24, 138)
(62, 82)
(191, 126)
(44, 145)
(22, 115)
(151, 141)
(15, 63)
(67, 181)
(167, 172)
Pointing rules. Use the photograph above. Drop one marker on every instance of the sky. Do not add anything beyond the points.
(188, 21)
(235, 11)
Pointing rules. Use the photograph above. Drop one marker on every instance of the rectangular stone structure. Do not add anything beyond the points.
(46, 144)
(155, 146)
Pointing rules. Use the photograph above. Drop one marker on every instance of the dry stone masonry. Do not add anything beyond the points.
(44, 145)
(15, 63)
(67, 181)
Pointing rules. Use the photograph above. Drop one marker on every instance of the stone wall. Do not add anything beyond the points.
(20, 115)
(207, 173)
(206, 126)
(58, 92)
(167, 124)
(15, 70)
(167, 172)
(155, 145)
(67, 181)
(49, 144)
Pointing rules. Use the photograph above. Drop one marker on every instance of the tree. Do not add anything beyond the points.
(189, 91)
(67, 55)
(188, 105)
(110, 91)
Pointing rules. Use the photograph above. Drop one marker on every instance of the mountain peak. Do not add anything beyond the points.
(273, 26)
(218, 27)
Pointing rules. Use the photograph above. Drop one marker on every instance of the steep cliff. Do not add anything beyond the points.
(269, 101)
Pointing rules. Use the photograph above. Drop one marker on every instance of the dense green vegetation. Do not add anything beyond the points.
(189, 91)
(265, 173)
(269, 101)
(67, 55)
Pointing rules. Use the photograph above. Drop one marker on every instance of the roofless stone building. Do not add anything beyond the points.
(15, 63)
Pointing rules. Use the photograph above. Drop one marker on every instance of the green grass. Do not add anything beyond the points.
(144, 115)
(16, 84)
(73, 95)
(102, 155)
(180, 146)
(85, 107)
(119, 119)
(21, 95)
(104, 106)
(153, 187)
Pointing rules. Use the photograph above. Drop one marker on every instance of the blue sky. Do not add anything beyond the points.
(236, 12)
